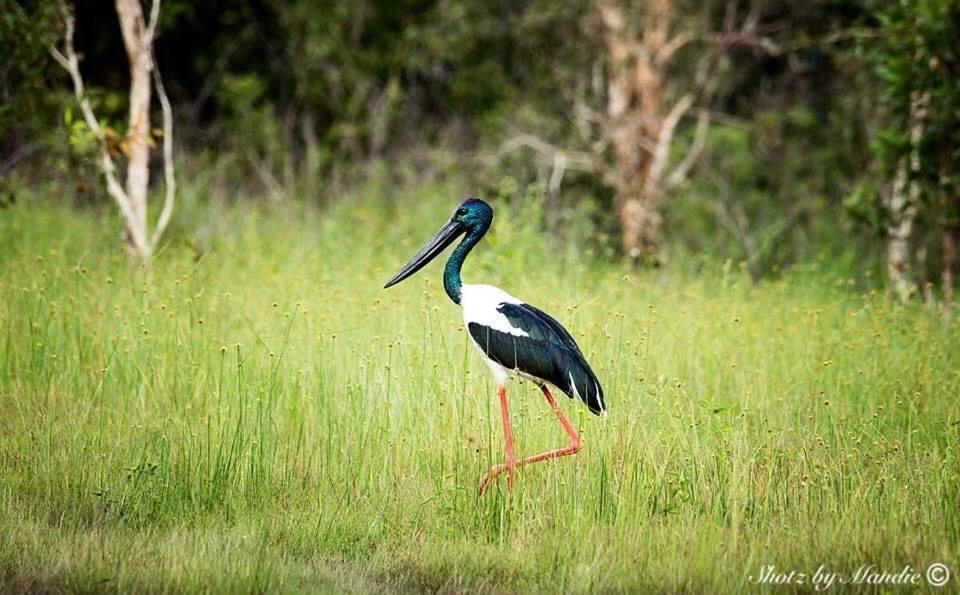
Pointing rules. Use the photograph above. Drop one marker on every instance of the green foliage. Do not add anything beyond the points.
(351, 75)
(864, 206)
(256, 414)
(79, 136)
(913, 50)
(304, 100)
(26, 72)
(766, 203)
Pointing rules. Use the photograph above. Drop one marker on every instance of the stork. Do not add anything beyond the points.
(512, 336)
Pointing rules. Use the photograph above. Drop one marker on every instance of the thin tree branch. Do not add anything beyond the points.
(679, 173)
(572, 159)
(212, 78)
(556, 175)
(747, 40)
(19, 155)
(154, 19)
(661, 151)
(672, 46)
(169, 178)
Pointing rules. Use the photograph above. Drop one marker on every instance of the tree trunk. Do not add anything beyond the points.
(899, 231)
(902, 207)
(949, 264)
(138, 42)
(635, 91)
(640, 223)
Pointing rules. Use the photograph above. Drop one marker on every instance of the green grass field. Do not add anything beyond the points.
(256, 414)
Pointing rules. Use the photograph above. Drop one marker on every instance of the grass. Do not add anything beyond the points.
(256, 414)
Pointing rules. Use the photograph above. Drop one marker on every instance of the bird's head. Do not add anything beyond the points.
(473, 217)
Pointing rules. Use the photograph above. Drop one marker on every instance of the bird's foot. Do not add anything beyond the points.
(491, 476)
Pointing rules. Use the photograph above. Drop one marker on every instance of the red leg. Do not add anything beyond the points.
(511, 463)
(508, 440)
(570, 449)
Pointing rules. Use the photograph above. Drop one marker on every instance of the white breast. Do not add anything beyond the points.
(480, 304)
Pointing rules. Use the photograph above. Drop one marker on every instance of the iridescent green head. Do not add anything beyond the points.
(475, 215)
(473, 218)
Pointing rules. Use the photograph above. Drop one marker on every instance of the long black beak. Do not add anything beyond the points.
(443, 238)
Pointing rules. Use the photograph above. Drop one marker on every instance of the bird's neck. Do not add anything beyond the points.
(451, 273)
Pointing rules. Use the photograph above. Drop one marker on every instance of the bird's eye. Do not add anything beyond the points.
(461, 212)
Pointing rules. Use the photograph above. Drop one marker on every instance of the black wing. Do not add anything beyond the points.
(549, 352)
(538, 324)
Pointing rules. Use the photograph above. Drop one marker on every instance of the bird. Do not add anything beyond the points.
(513, 337)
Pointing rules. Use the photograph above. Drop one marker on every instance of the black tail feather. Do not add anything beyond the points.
(580, 381)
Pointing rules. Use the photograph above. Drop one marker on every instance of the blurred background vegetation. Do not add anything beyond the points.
(763, 133)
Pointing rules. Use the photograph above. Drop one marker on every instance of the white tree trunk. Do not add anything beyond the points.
(899, 231)
(902, 207)
(138, 41)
